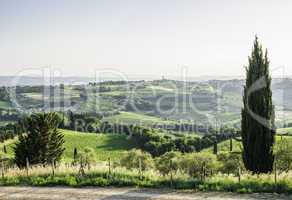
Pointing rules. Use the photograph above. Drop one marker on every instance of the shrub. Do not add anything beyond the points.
(167, 163)
(229, 162)
(199, 165)
(134, 158)
(283, 155)
(86, 157)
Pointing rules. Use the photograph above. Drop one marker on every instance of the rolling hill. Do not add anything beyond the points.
(136, 118)
(105, 145)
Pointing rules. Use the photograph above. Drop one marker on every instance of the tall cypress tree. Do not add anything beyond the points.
(258, 135)
(75, 154)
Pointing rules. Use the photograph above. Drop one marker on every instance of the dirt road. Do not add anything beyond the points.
(61, 193)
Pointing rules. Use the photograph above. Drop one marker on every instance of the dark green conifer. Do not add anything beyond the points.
(4, 149)
(231, 144)
(258, 135)
(75, 155)
(41, 143)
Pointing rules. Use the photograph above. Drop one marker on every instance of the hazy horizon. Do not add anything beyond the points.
(209, 38)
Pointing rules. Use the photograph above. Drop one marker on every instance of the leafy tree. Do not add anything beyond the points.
(167, 163)
(257, 123)
(229, 162)
(4, 94)
(199, 165)
(136, 158)
(283, 155)
(87, 157)
(42, 142)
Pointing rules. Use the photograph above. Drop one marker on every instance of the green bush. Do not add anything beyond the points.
(229, 162)
(167, 163)
(135, 159)
(86, 157)
(199, 165)
(283, 155)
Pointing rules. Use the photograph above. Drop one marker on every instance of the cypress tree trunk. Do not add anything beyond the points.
(257, 123)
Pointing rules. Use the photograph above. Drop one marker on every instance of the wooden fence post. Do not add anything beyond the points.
(171, 175)
(27, 166)
(2, 168)
(202, 172)
(109, 167)
(140, 169)
(81, 169)
(239, 174)
(275, 173)
(53, 168)
(88, 163)
(205, 171)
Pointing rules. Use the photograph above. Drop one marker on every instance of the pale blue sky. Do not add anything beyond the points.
(151, 37)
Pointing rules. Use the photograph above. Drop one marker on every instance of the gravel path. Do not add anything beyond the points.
(90, 193)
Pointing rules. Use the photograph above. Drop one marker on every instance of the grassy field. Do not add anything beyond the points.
(134, 118)
(285, 131)
(5, 104)
(3, 123)
(105, 145)
(113, 146)
(98, 175)
(191, 100)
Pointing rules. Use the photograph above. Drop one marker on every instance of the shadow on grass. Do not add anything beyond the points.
(116, 143)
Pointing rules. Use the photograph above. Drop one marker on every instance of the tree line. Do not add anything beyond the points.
(158, 144)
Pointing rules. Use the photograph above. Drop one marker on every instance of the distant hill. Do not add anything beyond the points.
(160, 100)
(75, 80)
